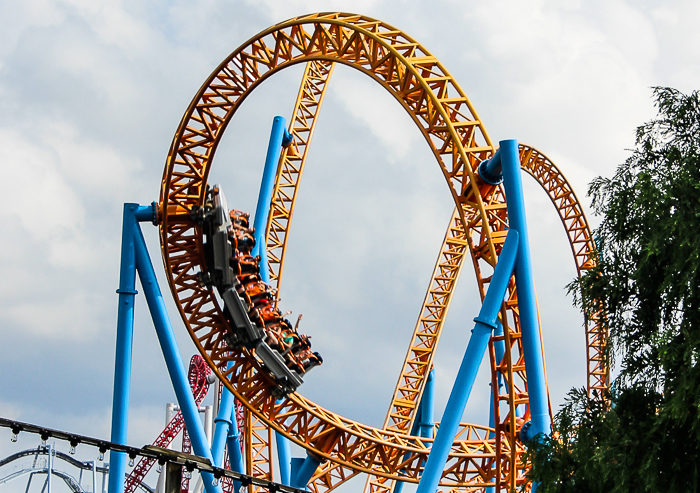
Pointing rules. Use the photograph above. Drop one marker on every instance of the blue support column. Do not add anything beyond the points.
(527, 302)
(122, 364)
(284, 456)
(303, 469)
(279, 137)
(233, 442)
(414, 432)
(171, 353)
(221, 430)
(485, 323)
(500, 350)
(426, 415)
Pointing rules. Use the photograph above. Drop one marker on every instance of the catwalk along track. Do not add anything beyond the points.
(258, 374)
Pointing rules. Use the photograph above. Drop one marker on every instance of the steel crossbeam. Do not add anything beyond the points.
(459, 142)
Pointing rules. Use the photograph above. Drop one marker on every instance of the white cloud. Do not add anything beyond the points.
(90, 94)
(63, 182)
(26, 16)
(41, 196)
(56, 318)
(114, 25)
(374, 107)
(94, 168)
(281, 11)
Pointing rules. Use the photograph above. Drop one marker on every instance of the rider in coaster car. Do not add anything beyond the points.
(302, 360)
(244, 281)
(233, 262)
(239, 218)
(256, 288)
(254, 315)
(273, 337)
(263, 300)
(233, 240)
(299, 343)
(289, 335)
(247, 265)
(310, 360)
(260, 294)
(293, 363)
(245, 241)
(270, 315)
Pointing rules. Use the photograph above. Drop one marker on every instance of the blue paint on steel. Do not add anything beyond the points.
(485, 323)
(296, 463)
(525, 435)
(490, 170)
(499, 349)
(262, 210)
(234, 445)
(171, 353)
(304, 470)
(287, 138)
(284, 455)
(527, 303)
(125, 337)
(147, 213)
(233, 442)
(222, 426)
(279, 137)
(425, 414)
(414, 431)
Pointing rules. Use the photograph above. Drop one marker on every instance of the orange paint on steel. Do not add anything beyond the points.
(453, 131)
(292, 161)
(446, 119)
(562, 195)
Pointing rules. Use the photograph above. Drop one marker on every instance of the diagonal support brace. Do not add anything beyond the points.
(485, 323)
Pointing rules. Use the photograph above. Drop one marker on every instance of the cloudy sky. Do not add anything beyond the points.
(92, 92)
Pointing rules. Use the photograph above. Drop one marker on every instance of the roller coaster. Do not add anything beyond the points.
(43, 462)
(226, 275)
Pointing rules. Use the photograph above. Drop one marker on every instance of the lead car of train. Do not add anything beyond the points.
(249, 303)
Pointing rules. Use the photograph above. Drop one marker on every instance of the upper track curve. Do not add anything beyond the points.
(457, 138)
(426, 334)
(448, 266)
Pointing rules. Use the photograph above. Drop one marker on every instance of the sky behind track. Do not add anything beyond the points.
(91, 94)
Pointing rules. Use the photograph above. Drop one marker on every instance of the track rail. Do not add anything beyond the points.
(453, 131)
(197, 376)
(562, 195)
(292, 161)
(434, 100)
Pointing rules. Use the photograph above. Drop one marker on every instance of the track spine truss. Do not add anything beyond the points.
(481, 457)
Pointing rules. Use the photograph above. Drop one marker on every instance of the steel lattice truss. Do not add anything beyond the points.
(438, 106)
(197, 375)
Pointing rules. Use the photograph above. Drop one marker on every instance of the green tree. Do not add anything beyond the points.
(648, 279)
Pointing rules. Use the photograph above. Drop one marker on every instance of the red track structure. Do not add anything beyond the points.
(198, 373)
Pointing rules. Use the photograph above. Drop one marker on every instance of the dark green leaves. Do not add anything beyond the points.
(648, 279)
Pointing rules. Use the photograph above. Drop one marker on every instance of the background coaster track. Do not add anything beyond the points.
(453, 131)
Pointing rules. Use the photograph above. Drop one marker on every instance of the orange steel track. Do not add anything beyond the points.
(448, 267)
(453, 131)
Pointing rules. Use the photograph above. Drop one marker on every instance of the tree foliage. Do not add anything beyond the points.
(647, 439)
